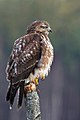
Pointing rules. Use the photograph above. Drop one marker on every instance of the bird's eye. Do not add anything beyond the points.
(44, 26)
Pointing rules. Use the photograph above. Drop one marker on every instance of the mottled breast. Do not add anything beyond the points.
(45, 61)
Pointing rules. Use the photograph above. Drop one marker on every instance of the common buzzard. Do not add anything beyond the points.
(30, 60)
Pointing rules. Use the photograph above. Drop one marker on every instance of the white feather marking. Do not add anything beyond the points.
(31, 52)
(24, 41)
(17, 45)
(15, 68)
(34, 48)
(23, 44)
(20, 47)
(24, 51)
(16, 51)
(24, 59)
(28, 55)
(12, 55)
(10, 107)
(15, 65)
(20, 40)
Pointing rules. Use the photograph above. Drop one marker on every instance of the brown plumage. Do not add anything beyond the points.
(31, 56)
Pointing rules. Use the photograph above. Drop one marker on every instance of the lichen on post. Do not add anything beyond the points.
(32, 106)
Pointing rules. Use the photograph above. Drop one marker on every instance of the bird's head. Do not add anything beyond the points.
(39, 26)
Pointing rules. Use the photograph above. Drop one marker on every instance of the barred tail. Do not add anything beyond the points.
(8, 93)
(21, 92)
(12, 93)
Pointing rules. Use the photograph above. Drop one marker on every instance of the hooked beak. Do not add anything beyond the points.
(49, 29)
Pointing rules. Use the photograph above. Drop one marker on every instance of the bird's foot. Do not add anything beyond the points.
(29, 88)
(35, 81)
(42, 76)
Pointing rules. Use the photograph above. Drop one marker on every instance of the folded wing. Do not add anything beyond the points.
(23, 60)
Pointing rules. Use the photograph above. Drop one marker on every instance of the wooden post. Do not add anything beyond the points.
(32, 106)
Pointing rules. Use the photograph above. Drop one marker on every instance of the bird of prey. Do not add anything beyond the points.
(30, 60)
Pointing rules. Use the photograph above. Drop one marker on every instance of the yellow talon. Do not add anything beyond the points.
(36, 81)
(29, 88)
(43, 76)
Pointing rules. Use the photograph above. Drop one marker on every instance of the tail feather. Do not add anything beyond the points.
(12, 93)
(8, 93)
(21, 91)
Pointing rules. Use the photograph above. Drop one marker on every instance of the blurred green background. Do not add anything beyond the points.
(60, 92)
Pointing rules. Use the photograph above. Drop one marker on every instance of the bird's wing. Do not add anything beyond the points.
(24, 57)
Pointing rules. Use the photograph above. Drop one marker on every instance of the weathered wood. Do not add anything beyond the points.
(32, 106)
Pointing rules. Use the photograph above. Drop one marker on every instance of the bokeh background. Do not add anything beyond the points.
(60, 92)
